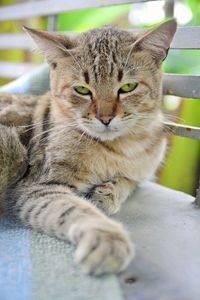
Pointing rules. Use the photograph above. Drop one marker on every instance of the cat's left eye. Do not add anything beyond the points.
(82, 90)
(128, 87)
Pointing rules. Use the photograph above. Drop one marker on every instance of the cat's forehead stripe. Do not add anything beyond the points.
(103, 57)
(120, 74)
(86, 77)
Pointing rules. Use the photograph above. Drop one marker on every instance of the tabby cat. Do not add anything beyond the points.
(90, 141)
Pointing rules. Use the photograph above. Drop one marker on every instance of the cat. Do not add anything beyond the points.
(93, 139)
(15, 115)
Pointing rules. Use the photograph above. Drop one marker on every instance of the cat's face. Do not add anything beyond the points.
(108, 81)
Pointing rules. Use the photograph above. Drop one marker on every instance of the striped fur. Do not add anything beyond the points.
(76, 164)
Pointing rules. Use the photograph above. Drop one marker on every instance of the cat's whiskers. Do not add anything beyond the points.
(63, 127)
(45, 137)
(173, 118)
(60, 46)
(82, 135)
(57, 125)
(75, 125)
(34, 125)
(135, 126)
(60, 142)
(40, 134)
(25, 126)
(141, 68)
(168, 128)
(129, 54)
(37, 126)
(31, 125)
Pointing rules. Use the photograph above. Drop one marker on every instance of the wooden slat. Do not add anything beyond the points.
(14, 70)
(52, 7)
(182, 130)
(187, 86)
(16, 41)
(185, 38)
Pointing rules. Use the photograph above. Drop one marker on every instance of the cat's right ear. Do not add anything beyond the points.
(157, 40)
(52, 45)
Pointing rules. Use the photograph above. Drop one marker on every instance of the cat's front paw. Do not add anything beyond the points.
(103, 248)
(105, 198)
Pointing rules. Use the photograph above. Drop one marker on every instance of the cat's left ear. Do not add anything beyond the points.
(157, 40)
(52, 45)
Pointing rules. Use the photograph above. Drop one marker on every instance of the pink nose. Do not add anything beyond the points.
(105, 119)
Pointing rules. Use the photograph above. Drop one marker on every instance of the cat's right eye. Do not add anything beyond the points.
(128, 87)
(82, 90)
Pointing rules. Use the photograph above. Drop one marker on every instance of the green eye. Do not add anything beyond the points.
(82, 90)
(129, 87)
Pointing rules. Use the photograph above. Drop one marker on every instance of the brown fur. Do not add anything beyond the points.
(74, 158)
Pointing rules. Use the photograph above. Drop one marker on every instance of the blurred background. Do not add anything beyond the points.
(181, 168)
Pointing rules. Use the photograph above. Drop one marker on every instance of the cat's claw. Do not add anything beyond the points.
(103, 250)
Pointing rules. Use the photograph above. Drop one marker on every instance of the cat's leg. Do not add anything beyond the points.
(13, 159)
(110, 195)
(102, 245)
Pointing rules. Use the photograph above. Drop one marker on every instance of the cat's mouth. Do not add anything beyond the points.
(102, 132)
(106, 135)
(108, 131)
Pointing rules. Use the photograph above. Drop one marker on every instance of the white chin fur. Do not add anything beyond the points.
(101, 132)
(103, 136)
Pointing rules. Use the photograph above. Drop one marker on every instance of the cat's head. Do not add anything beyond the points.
(107, 81)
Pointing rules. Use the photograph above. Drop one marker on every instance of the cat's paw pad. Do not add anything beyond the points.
(103, 251)
(105, 189)
(105, 199)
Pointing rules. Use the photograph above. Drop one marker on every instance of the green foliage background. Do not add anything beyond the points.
(182, 165)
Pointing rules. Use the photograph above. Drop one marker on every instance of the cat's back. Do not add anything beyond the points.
(17, 109)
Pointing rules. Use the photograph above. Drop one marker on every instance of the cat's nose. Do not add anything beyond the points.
(105, 119)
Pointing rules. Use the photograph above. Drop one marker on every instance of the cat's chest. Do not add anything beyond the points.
(93, 163)
(135, 160)
(132, 159)
(110, 162)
